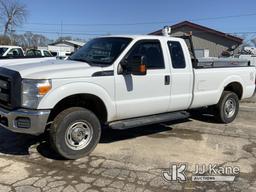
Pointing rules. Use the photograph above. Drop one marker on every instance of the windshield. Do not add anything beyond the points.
(2, 50)
(101, 50)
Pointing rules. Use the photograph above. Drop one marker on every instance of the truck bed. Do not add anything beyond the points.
(210, 81)
(221, 62)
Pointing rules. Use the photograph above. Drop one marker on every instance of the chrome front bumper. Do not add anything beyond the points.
(35, 120)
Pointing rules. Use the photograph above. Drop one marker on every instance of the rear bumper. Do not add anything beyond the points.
(24, 121)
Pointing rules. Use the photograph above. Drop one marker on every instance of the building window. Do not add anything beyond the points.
(201, 53)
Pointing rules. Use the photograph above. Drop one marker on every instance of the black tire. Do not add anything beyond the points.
(71, 125)
(227, 114)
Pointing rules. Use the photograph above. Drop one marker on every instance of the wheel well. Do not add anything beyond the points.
(236, 88)
(88, 101)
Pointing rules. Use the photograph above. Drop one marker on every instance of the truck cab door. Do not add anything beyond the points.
(181, 76)
(141, 95)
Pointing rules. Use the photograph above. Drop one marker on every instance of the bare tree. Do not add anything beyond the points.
(13, 14)
(4, 40)
(30, 40)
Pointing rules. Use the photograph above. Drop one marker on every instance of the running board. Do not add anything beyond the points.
(147, 120)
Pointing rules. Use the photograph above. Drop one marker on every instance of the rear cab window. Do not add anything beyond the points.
(176, 54)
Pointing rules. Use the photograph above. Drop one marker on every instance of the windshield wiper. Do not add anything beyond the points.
(92, 63)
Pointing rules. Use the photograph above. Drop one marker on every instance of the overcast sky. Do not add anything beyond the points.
(88, 18)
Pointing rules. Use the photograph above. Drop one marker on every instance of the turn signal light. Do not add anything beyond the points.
(143, 68)
(44, 88)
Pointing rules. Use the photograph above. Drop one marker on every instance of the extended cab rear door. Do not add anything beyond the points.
(141, 95)
(181, 75)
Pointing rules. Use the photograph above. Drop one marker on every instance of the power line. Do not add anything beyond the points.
(141, 23)
(66, 33)
(226, 17)
(244, 32)
(107, 33)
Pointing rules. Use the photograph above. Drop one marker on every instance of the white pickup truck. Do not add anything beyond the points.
(21, 60)
(11, 51)
(15, 55)
(118, 81)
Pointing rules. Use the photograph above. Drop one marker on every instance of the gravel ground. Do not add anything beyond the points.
(133, 160)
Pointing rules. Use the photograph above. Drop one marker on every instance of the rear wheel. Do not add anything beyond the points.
(228, 107)
(75, 132)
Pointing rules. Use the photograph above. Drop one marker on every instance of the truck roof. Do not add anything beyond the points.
(9, 46)
(145, 37)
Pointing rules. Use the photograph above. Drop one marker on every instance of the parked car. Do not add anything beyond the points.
(38, 53)
(32, 56)
(251, 58)
(11, 51)
(120, 82)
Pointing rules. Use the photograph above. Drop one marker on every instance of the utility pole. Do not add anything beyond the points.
(61, 29)
(11, 32)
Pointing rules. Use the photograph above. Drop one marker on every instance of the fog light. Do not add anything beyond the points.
(23, 122)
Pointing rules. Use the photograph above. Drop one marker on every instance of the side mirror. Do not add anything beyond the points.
(136, 66)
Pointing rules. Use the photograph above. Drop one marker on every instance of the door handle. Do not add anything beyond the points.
(167, 79)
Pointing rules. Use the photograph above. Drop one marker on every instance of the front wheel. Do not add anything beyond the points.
(75, 132)
(228, 107)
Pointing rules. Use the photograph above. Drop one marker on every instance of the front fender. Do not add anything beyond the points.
(60, 93)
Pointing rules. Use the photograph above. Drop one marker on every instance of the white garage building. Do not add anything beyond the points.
(65, 46)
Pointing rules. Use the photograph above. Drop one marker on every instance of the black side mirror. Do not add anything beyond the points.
(136, 66)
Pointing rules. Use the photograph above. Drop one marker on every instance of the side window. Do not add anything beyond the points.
(153, 52)
(38, 53)
(47, 54)
(177, 56)
(30, 53)
(20, 52)
(15, 52)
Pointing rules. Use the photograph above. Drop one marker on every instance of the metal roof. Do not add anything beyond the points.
(201, 28)
(70, 42)
(79, 43)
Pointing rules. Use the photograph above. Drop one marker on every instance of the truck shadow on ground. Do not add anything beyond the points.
(20, 144)
(204, 116)
(16, 144)
(110, 135)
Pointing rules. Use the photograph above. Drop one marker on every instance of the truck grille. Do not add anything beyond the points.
(5, 91)
(10, 89)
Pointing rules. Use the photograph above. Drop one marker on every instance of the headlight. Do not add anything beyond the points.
(33, 91)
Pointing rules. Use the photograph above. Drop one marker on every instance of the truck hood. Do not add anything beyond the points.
(54, 69)
(4, 62)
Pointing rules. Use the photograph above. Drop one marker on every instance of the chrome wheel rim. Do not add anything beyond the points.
(78, 135)
(230, 108)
